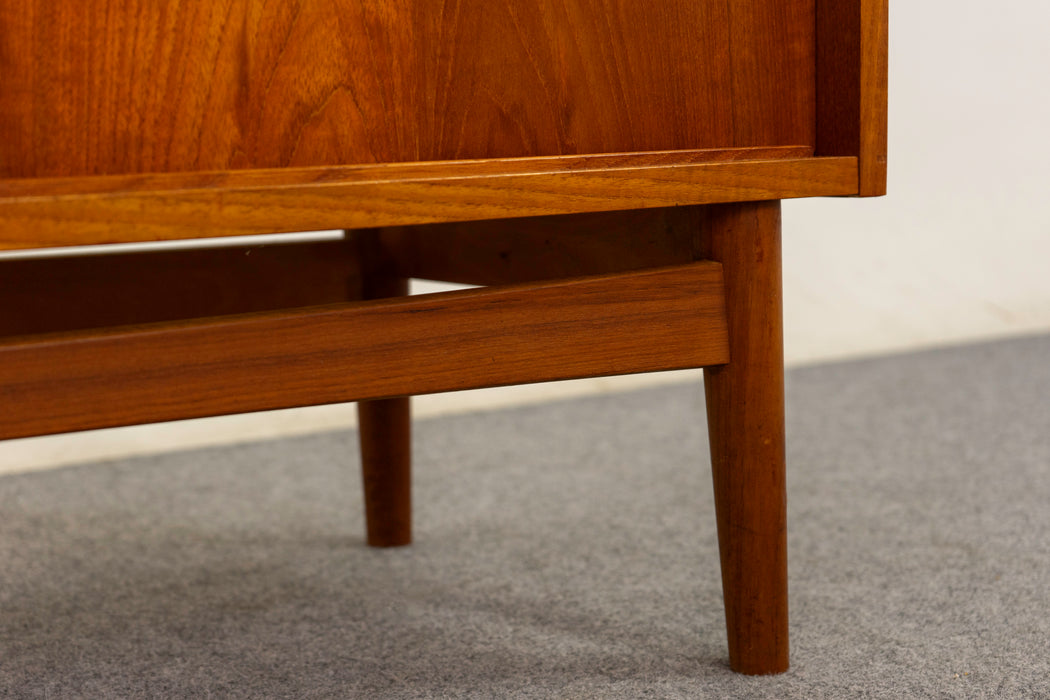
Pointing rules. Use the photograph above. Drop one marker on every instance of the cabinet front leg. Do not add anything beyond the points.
(745, 413)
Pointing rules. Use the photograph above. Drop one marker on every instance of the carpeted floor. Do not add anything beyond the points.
(563, 551)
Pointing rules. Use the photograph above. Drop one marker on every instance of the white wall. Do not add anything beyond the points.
(959, 250)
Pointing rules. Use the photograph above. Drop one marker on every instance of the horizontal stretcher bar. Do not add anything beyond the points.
(660, 319)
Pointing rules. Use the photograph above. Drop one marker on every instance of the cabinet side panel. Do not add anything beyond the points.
(773, 59)
(852, 73)
(838, 77)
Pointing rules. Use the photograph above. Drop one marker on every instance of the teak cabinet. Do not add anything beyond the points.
(608, 170)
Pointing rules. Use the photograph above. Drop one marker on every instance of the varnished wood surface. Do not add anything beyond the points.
(21, 188)
(772, 89)
(745, 414)
(96, 87)
(874, 115)
(384, 427)
(51, 294)
(668, 318)
(165, 207)
(851, 78)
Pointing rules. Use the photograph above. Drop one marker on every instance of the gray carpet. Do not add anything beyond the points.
(563, 551)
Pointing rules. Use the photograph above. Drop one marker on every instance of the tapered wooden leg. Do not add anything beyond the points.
(745, 413)
(384, 426)
(386, 470)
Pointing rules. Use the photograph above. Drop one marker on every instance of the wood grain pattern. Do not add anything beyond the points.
(851, 80)
(745, 414)
(669, 318)
(384, 172)
(168, 207)
(874, 116)
(772, 91)
(98, 87)
(54, 294)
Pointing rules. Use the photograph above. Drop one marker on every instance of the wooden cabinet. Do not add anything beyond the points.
(611, 170)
